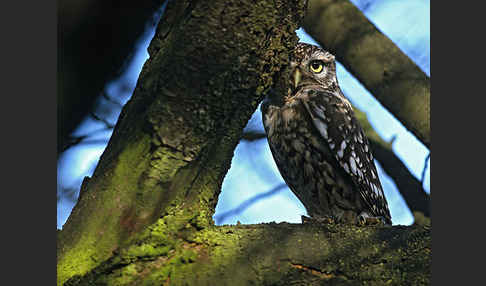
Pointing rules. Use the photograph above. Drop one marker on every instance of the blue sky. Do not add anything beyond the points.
(253, 171)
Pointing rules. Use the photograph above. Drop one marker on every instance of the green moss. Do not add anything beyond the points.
(77, 256)
(174, 142)
(243, 255)
(165, 163)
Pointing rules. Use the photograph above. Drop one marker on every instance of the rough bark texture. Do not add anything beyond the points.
(270, 254)
(144, 218)
(210, 64)
(393, 79)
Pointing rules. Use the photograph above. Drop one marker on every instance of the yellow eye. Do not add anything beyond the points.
(316, 66)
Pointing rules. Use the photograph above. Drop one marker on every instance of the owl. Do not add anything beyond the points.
(318, 145)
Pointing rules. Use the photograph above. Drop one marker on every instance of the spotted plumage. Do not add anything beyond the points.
(318, 144)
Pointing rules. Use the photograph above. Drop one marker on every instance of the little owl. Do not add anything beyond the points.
(318, 144)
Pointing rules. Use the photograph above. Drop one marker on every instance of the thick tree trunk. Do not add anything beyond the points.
(210, 64)
(392, 77)
(145, 217)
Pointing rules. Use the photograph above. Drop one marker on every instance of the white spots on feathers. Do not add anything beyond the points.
(340, 153)
(352, 164)
(346, 168)
(376, 190)
(320, 109)
(343, 146)
(322, 127)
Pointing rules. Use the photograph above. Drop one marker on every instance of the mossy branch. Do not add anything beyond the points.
(209, 67)
(270, 254)
(144, 218)
(392, 77)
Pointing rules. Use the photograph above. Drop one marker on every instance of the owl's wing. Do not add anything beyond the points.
(334, 119)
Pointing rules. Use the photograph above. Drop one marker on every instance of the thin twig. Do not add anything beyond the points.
(219, 219)
(104, 121)
(426, 163)
(253, 135)
(110, 99)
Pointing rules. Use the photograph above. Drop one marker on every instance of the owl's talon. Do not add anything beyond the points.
(319, 220)
(361, 220)
(364, 219)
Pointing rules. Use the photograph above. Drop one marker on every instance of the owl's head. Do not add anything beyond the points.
(311, 66)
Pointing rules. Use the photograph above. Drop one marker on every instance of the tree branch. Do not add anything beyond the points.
(145, 217)
(210, 64)
(271, 254)
(424, 170)
(395, 80)
(219, 219)
(253, 136)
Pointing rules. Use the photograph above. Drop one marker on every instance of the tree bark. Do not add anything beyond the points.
(393, 78)
(145, 217)
(270, 254)
(210, 64)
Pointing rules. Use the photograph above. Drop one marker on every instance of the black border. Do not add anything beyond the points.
(29, 33)
(458, 124)
(29, 140)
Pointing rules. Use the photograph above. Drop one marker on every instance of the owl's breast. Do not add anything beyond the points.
(305, 160)
(282, 124)
(289, 130)
(296, 148)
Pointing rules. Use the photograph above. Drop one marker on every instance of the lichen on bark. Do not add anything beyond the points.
(168, 253)
(145, 217)
(210, 65)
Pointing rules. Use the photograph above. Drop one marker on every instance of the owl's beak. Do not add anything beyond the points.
(297, 76)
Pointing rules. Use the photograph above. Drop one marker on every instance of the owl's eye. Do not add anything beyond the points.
(316, 66)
